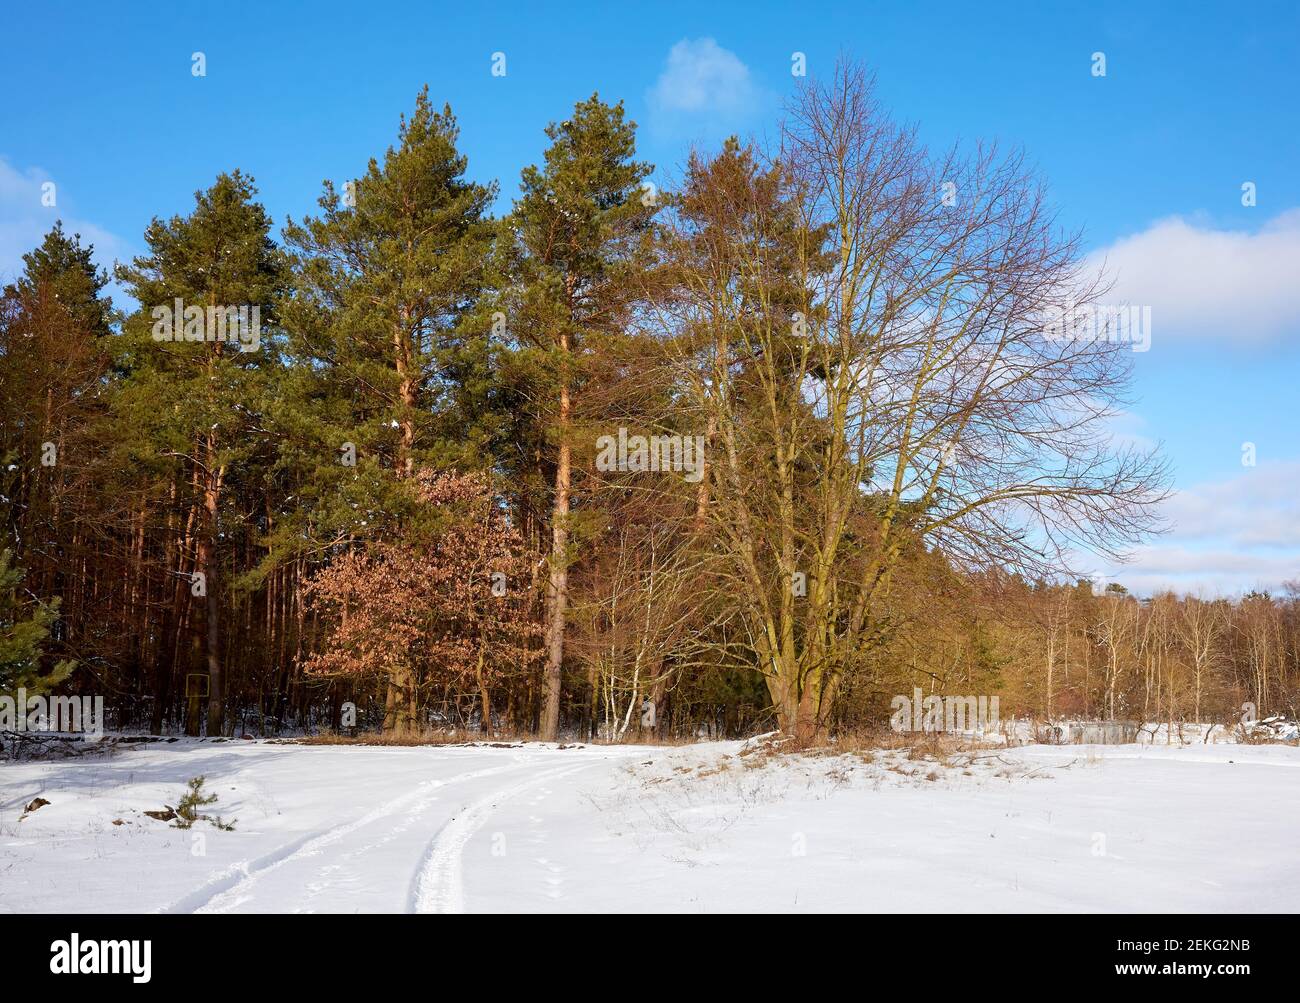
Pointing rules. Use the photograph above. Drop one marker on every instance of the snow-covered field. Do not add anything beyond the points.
(704, 828)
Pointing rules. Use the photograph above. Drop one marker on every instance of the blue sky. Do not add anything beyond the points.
(1149, 160)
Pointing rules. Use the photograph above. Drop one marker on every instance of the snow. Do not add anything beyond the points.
(715, 827)
(1023, 732)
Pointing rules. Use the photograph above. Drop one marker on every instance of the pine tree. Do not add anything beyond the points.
(67, 267)
(189, 410)
(388, 355)
(577, 231)
(24, 627)
(386, 279)
(54, 362)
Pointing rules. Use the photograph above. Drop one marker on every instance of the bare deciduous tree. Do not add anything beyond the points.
(878, 377)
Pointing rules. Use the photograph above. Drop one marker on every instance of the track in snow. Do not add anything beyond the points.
(439, 885)
(235, 887)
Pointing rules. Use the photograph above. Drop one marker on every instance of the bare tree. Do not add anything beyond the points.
(887, 382)
(1201, 625)
(1115, 631)
(1259, 626)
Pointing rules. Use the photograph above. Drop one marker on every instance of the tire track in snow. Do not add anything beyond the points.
(439, 885)
(227, 888)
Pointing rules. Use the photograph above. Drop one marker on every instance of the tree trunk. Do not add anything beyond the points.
(1051, 667)
(406, 390)
(207, 546)
(390, 705)
(400, 710)
(485, 697)
(557, 591)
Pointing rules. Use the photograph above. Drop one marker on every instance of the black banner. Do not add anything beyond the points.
(153, 953)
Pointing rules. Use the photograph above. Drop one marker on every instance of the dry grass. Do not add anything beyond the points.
(919, 746)
(405, 739)
(646, 738)
(864, 744)
(465, 737)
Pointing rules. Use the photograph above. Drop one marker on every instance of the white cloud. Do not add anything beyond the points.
(24, 222)
(1226, 536)
(1257, 508)
(703, 85)
(1209, 572)
(1203, 282)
